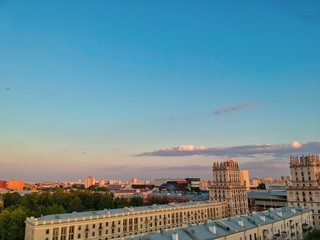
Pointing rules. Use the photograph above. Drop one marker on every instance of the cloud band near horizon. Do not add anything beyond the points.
(277, 150)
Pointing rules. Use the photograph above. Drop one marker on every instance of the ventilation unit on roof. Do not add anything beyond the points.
(175, 236)
(279, 214)
(213, 229)
(263, 218)
(240, 223)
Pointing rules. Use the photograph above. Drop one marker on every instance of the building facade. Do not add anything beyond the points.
(274, 224)
(90, 181)
(119, 223)
(15, 185)
(245, 179)
(260, 200)
(3, 184)
(227, 187)
(305, 188)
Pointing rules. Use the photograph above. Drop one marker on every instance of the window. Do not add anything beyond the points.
(55, 234)
(47, 231)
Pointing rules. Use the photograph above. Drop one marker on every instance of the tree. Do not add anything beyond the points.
(12, 224)
(136, 201)
(11, 199)
(121, 203)
(314, 235)
(75, 205)
(55, 209)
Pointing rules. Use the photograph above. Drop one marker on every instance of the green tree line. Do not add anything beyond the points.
(17, 208)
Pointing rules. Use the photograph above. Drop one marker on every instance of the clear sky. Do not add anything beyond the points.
(152, 89)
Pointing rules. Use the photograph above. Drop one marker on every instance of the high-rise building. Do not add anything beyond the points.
(15, 185)
(3, 184)
(226, 187)
(305, 188)
(89, 182)
(245, 179)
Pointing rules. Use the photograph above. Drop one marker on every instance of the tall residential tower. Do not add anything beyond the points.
(227, 187)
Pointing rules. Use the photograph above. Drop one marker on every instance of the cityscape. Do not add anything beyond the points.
(159, 120)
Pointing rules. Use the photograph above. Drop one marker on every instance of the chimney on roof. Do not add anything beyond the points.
(175, 236)
(263, 218)
(240, 223)
(213, 229)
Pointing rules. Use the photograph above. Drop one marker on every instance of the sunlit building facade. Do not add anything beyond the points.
(227, 187)
(118, 223)
(305, 188)
(90, 181)
(15, 185)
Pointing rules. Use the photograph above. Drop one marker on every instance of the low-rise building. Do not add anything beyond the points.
(274, 224)
(260, 200)
(119, 223)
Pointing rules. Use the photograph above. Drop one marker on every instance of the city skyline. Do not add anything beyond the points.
(156, 89)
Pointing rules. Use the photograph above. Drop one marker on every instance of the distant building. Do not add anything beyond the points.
(305, 188)
(276, 186)
(254, 182)
(142, 186)
(114, 187)
(126, 192)
(15, 185)
(194, 183)
(3, 184)
(90, 181)
(227, 187)
(122, 222)
(260, 200)
(158, 182)
(204, 185)
(245, 179)
(102, 183)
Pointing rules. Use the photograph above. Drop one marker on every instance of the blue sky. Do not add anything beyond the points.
(99, 88)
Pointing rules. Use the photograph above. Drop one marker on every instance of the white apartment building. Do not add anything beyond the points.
(227, 187)
(119, 223)
(305, 187)
(274, 224)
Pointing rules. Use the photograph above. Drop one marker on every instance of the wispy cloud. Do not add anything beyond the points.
(277, 150)
(234, 108)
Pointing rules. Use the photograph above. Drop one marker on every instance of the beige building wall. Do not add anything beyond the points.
(89, 182)
(227, 187)
(131, 222)
(245, 179)
(305, 187)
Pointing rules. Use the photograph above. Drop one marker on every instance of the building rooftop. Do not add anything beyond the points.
(267, 194)
(224, 227)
